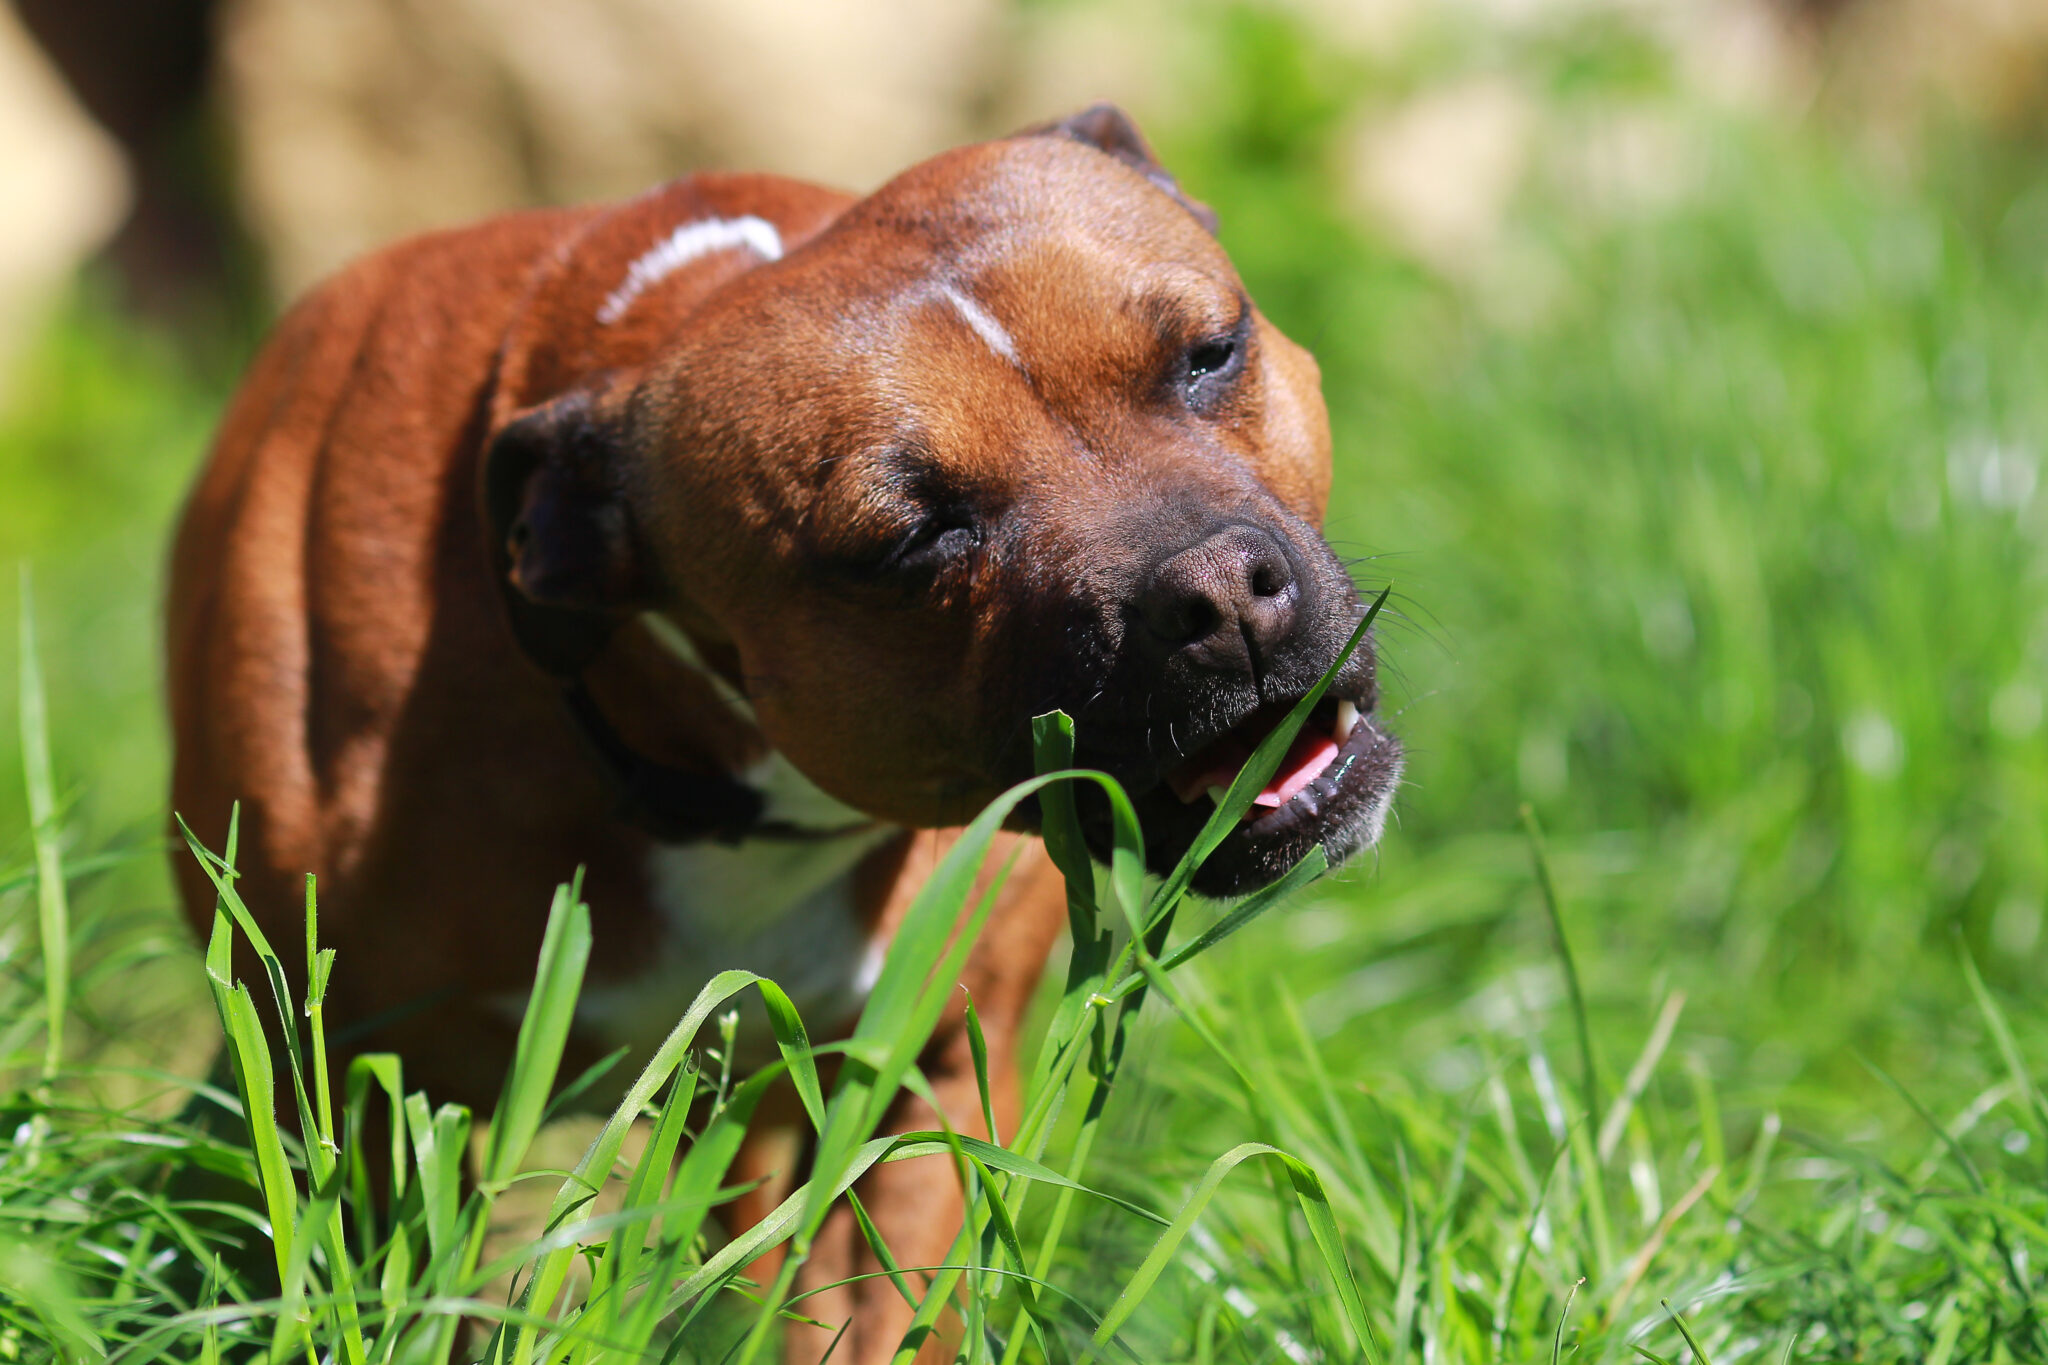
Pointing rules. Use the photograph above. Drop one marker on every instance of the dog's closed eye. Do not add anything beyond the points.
(914, 524)
(944, 534)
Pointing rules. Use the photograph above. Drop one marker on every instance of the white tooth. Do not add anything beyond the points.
(1217, 794)
(1347, 717)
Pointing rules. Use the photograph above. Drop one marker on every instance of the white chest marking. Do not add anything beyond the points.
(983, 322)
(783, 909)
(685, 245)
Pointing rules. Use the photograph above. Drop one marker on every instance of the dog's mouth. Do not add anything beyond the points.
(1309, 759)
(1333, 787)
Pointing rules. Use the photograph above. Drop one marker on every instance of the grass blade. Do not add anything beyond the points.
(1699, 1356)
(1555, 906)
(543, 1033)
(2008, 1046)
(1315, 1207)
(1302, 874)
(53, 907)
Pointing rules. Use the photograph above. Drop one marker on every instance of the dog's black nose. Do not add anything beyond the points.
(1226, 602)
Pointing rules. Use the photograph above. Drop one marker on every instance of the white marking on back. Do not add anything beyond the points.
(685, 245)
(983, 322)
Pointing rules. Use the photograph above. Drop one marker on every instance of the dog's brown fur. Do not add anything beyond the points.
(341, 659)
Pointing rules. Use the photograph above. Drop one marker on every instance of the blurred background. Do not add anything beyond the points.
(1686, 361)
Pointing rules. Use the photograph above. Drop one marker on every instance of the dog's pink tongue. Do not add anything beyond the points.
(1306, 758)
(1305, 761)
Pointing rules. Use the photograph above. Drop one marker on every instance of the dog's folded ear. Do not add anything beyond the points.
(559, 527)
(1109, 129)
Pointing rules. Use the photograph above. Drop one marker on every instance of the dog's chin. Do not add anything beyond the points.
(1343, 808)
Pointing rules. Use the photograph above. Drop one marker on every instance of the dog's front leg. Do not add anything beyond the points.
(917, 1205)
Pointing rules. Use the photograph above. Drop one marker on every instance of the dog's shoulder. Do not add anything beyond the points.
(609, 292)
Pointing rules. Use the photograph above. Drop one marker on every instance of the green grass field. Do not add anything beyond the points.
(1716, 545)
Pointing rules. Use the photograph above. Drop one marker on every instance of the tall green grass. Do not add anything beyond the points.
(1566, 1203)
(1720, 547)
(337, 1277)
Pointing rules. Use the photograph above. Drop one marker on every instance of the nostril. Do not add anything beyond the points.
(1179, 618)
(1226, 598)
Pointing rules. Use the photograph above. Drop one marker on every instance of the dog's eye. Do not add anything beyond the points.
(1209, 368)
(1211, 357)
(944, 535)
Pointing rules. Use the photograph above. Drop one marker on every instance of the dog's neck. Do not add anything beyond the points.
(779, 901)
(790, 800)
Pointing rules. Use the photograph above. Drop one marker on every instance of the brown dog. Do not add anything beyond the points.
(716, 541)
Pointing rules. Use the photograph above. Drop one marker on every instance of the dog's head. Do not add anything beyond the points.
(1009, 435)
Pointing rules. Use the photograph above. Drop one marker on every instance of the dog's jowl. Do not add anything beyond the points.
(718, 541)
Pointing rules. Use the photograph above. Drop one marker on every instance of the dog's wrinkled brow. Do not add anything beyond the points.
(1178, 314)
(902, 467)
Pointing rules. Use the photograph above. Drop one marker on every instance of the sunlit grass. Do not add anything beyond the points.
(1723, 551)
(313, 1264)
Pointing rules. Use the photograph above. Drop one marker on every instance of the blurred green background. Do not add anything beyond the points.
(1685, 363)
